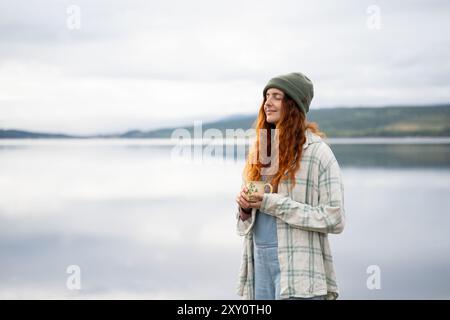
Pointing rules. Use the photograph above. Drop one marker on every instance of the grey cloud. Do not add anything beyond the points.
(221, 43)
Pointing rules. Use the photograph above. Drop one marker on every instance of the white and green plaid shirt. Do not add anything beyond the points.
(314, 208)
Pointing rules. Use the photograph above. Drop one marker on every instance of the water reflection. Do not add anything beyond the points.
(394, 156)
(141, 224)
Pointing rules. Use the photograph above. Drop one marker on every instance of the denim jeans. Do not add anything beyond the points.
(267, 266)
(267, 273)
(312, 298)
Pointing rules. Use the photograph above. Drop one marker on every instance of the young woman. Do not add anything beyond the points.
(286, 254)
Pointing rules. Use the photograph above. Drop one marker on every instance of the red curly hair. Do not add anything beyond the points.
(291, 136)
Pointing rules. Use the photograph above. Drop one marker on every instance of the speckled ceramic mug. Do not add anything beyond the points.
(258, 188)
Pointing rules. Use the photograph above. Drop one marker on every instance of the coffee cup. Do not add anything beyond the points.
(257, 188)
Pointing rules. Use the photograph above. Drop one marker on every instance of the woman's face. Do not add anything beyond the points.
(273, 105)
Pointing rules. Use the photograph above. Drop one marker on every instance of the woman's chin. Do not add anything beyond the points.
(270, 120)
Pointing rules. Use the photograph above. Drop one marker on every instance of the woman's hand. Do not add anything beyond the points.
(246, 204)
(245, 211)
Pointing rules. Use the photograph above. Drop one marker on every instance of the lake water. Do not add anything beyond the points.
(141, 222)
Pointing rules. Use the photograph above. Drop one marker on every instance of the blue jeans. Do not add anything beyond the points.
(312, 298)
(267, 274)
(267, 266)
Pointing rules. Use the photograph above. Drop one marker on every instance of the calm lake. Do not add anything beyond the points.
(139, 221)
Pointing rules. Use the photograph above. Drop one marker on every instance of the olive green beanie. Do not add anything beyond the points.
(298, 86)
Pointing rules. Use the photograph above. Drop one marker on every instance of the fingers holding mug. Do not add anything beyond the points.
(242, 202)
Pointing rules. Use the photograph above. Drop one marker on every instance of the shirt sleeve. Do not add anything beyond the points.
(244, 227)
(327, 217)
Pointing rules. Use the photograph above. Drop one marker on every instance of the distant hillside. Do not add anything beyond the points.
(348, 122)
(384, 122)
(335, 122)
(20, 134)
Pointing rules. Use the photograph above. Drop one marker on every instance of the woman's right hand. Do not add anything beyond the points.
(245, 211)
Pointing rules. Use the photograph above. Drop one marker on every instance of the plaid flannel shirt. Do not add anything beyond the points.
(305, 216)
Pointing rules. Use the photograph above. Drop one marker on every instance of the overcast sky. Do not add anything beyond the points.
(110, 66)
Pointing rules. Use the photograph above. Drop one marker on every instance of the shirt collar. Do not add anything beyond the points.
(311, 138)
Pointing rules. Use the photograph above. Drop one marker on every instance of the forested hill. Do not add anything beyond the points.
(335, 122)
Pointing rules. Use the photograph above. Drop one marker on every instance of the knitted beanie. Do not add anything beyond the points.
(298, 86)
